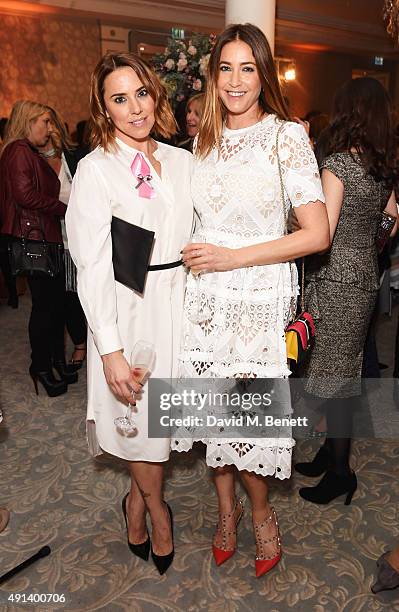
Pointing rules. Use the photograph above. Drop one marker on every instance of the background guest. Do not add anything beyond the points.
(63, 157)
(82, 138)
(358, 174)
(30, 206)
(194, 109)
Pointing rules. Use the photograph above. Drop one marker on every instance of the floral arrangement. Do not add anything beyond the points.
(182, 66)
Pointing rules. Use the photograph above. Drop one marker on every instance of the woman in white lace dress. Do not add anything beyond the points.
(246, 285)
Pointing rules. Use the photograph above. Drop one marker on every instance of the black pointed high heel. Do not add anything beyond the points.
(140, 550)
(332, 485)
(163, 562)
(51, 384)
(317, 466)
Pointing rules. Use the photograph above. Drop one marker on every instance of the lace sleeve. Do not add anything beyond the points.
(299, 167)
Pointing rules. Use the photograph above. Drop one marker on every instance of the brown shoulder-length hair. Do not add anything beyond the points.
(102, 129)
(362, 122)
(271, 99)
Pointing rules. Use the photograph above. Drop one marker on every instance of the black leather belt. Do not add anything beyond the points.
(167, 266)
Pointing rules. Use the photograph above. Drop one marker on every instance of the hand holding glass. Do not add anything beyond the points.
(142, 361)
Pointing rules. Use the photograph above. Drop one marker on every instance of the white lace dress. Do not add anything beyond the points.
(237, 197)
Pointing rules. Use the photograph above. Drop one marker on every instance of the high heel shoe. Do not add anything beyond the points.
(76, 364)
(140, 550)
(51, 384)
(222, 554)
(69, 375)
(387, 576)
(163, 562)
(316, 467)
(332, 485)
(263, 563)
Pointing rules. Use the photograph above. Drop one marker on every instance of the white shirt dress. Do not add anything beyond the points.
(118, 317)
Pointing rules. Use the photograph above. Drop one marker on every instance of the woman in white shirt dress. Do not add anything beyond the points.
(128, 103)
(247, 284)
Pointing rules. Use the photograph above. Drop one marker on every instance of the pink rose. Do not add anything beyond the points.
(181, 64)
(169, 64)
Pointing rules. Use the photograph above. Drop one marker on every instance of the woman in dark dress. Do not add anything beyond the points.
(358, 175)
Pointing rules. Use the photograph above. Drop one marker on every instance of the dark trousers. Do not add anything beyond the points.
(9, 279)
(46, 324)
(75, 320)
(396, 362)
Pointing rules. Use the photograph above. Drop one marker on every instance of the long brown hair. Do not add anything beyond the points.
(271, 99)
(362, 121)
(102, 129)
(23, 114)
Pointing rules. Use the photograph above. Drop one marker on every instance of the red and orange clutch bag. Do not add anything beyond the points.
(299, 336)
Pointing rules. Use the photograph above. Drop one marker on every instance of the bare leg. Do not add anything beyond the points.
(224, 483)
(148, 478)
(136, 511)
(257, 489)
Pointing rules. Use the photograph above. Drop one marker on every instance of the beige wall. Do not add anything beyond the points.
(48, 60)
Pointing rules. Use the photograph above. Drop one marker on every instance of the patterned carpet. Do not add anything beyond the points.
(59, 496)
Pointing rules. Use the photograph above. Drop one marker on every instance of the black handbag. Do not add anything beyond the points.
(34, 257)
(131, 252)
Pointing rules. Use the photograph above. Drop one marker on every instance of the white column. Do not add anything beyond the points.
(261, 13)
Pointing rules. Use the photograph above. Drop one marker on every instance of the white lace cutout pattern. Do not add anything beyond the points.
(237, 197)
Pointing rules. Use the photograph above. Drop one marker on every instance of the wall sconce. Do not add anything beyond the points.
(290, 74)
(285, 68)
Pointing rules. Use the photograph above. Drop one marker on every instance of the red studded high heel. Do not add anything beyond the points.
(222, 554)
(264, 563)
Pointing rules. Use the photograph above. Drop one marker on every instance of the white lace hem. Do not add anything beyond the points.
(269, 457)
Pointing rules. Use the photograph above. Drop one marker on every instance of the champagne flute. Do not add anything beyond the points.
(142, 361)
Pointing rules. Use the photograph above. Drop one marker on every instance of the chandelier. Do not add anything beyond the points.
(391, 17)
